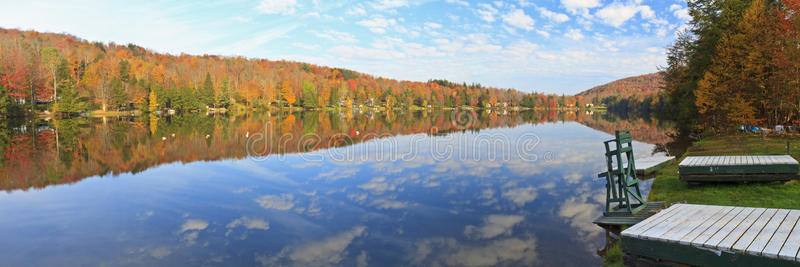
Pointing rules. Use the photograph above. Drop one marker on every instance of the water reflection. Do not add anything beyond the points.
(184, 191)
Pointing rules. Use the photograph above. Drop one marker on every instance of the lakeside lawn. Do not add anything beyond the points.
(667, 187)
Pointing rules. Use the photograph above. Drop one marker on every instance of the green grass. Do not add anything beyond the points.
(613, 256)
(667, 187)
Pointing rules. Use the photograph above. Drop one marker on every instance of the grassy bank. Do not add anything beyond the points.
(666, 186)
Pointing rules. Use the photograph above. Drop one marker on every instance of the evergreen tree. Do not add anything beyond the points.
(69, 101)
(224, 97)
(124, 70)
(207, 91)
(334, 98)
(309, 97)
(119, 97)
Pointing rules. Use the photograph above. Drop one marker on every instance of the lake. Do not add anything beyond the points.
(466, 188)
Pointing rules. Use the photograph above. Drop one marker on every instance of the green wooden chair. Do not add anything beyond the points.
(622, 186)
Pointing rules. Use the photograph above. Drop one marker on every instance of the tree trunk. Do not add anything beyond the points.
(55, 93)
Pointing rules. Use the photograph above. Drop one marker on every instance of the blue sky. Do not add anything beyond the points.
(553, 46)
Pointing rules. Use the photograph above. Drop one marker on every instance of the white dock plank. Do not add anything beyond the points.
(748, 236)
(792, 245)
(779, 238)
(738, 232)
(686, 161)
(666, 225)
(647, 225)
(727, 228)
(642, 226)
(687, 239)
(714, 228)
(758, 244)
(679, 231)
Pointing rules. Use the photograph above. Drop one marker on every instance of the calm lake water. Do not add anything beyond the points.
(309, 189)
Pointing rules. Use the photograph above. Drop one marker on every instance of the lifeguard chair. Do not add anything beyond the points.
(622, 186)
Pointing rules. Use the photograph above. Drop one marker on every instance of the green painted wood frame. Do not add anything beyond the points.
(622, 185)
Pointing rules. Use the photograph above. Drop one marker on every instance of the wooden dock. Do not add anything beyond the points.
(649, 165)
(738, 168)
(615, 223)
(706, 235)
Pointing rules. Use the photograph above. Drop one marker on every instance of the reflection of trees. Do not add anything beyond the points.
(647, 130)
(33, 159)
(66, 151)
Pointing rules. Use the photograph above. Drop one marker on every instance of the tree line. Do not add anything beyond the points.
(737, 64)
(64, 74)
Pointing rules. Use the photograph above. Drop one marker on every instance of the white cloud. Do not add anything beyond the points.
(654, 49)
(433, 25)
(460, 2)
(486, 12)
(356, 11)
(336, 36)
(194, 224)
(378, 185)
(327, 252)
(241, 19)
(617, 14)
(386, 204)
(680, 12)
(517, 18)
(449, 252)
(553, 16)
(249, 223)
(351, 52)
(305, 46)
(493, 226)
(520, 49)
(389, 4)
(448, 45)
(574, 5)
(277, 6)
(574, 34)
(543, 33)
(337, 174)
(521, 196)
(160, 252)
(480, 43)
(282, 202)
(377, 24)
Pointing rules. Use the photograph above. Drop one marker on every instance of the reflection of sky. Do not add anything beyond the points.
(370, 210)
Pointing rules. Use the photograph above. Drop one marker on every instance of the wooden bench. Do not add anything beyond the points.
(738, 168)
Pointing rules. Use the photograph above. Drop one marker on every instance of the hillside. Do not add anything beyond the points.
(640, 86)
(68, 74)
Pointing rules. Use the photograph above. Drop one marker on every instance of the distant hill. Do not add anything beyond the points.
(641, 86)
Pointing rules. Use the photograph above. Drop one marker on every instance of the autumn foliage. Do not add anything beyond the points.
(739, 65)
(113, 76)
